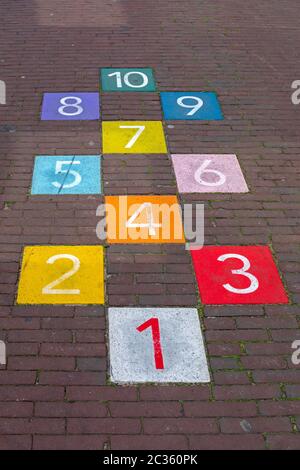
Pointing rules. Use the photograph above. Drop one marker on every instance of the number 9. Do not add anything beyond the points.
(194, 107)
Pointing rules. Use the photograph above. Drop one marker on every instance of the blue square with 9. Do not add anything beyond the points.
(191, 105)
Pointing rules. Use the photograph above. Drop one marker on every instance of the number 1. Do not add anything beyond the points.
(153, 323)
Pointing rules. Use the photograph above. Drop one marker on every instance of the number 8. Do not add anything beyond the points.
(75, 105)
(194, 107)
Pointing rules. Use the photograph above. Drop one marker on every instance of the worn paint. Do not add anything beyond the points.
(143, 219)
(132, 352)
(209, 173)
(66, 174)
(133, 137)
(70, 106)
(191, 105)
(77, 270)
(127, 79)
(238, 275)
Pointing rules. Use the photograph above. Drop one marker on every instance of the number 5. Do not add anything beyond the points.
(136, 135)
(242, 272)
(59, 170)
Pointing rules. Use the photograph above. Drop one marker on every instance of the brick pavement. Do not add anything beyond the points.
(54, 392)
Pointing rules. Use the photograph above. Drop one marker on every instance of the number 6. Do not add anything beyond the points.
(202, 170)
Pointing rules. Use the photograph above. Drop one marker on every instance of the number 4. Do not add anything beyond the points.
(150, 219)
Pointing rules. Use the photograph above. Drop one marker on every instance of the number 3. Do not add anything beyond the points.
(242, 272)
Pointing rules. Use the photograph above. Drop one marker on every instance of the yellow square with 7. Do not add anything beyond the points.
(133, 137)
(62, 275)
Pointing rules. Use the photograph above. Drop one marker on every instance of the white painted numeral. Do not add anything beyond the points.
(127, 81)
(76, 265)
(78, 109)
(254, 284)
(2, 353)
(136, 135)
(202, 170)
(59, 170)
(150, 219)
(193, 107)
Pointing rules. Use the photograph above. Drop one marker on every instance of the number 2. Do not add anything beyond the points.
(193, 107)
(76, 265)
(254, 284)
(153, 323)
(136, 135)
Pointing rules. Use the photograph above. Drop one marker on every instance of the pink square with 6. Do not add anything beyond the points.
(205, 173)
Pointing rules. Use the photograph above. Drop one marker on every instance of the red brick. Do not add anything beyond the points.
(284, 442)
(191, 393)
(180, 426)
(103, 426)
(69, 442)
(234, 442)
(149, 443)
(220, 408)
(159, 409)
(257, 425)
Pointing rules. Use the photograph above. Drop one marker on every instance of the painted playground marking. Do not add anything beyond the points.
(67, 174)
(70, 106)
(209, 174)
(124, 79)
(238, 275)
(156, 345)
(143, 219)
(191, 105)
(133, 137)
(62, 275)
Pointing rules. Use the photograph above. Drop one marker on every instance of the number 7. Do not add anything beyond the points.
(136, 135)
